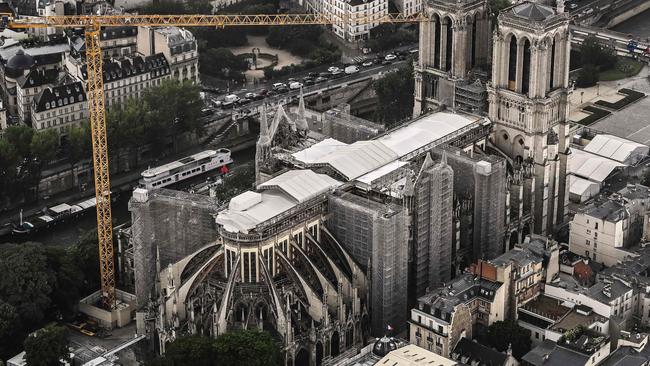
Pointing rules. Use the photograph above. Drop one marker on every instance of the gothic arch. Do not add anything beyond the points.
(437, 32)
(319, 353)
(335, 347)
(526, 65)
(302, 358)
(518, 148)
(449, 44)
(513, 49)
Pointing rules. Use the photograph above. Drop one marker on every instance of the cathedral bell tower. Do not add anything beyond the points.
(453, 41)
(528, 103)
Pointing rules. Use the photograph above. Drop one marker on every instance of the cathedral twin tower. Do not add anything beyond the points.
(526, 89)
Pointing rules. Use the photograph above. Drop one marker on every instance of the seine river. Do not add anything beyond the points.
(639, 25)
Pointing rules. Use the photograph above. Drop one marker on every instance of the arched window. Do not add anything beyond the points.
(512, 64)
(525, 75)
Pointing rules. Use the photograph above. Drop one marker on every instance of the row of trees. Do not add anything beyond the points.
(164, 111)
(594, 58)
(243, 348)
(395, 96)
(23, 155)
(40, 284)
(388, 36)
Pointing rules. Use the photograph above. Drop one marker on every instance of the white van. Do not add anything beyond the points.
(295, 85)
(351, 70)
(232, 98)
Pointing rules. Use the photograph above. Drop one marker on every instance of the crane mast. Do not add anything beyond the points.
(92, 25)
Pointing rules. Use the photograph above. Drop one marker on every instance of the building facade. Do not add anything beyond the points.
(453, 42)
(528, 104)
(179, 47)
(355, 18)
(60, 108)
(376, 236)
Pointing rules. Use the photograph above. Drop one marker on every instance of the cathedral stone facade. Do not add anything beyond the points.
(453, 42)
(528, 99)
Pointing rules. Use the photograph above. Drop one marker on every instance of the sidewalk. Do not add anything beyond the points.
(605, 90)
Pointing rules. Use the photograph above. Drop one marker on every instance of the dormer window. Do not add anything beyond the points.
(47, 105)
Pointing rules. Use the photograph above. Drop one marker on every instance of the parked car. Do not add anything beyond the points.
(325, 75)
(320, 79)
(277, 86)
(232, 98)
(386, 62)
(309, 82)
(243, 101)
(333, 69)
(572, 6)
(390, 57)
(367, 63)
(351, 70)
(249, 95)
(295, 85)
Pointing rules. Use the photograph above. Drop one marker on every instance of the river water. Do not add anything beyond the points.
(67, 234)
(638, 25)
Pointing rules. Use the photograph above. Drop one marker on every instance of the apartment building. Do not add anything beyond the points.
(60, 108)
(355, 18)
(118, 42)
(523, 270)
(125, 78)
(408, 7)
(179, 47)
(445, 315)
(601, 231)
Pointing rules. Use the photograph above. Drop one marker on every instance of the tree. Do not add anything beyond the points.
(174, 105)
(66, 280)
(10, 326)
(495, 8)
(85, 254)
(387, 36)
(26, 282)
(588, 76)
(247, 348)
(395, 95)
(44, 145)
(191, 350)
(503, 334)
(9, 162)
(20, 137)
(47, 346)
(78, 146)
(592, 52)
(230, 67)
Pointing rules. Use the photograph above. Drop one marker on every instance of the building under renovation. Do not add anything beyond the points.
(324, 251)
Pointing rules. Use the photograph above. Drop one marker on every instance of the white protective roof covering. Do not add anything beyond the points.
(583, 188)
(617, 148)
(277, 196)
(316, 152)
(380, 172)
(352, 160)
(301, 185)
(424, 131)
(591, 166)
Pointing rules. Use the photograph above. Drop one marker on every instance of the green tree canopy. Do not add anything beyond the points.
(587, 76)
(229, 65)
(593, 53)
(20, 137)
(247, 348)
(47, 346)
(44, 145)
(503, 334)
(242, 348)
(395, 95)
(26, 282)
(10, 325)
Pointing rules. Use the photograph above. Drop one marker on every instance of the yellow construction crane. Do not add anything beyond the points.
(92, 25)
